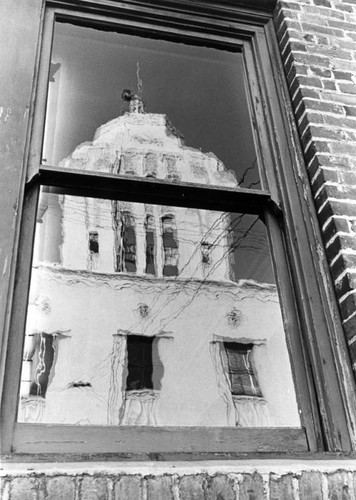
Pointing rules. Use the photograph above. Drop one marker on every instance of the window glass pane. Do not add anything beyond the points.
(201, 345)
(196, 126)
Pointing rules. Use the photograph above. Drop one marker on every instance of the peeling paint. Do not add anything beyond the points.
(15, 206)
(25, 114)
(5, 266)
(8, 114)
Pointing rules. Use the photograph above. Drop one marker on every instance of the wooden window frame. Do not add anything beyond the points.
(322, 373)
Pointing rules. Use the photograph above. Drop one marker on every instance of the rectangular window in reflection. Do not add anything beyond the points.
(129, 344)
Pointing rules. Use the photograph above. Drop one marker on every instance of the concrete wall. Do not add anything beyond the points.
(184, 481)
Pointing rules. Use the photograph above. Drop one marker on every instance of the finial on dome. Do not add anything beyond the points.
(136, 102)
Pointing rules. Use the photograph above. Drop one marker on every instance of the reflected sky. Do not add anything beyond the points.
(201, 89)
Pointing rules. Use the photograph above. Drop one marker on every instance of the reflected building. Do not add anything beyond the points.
(138, 314)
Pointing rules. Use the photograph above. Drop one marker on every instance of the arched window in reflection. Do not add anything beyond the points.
(170, 246)
(126, 244)
(93, 256)
(150, 245)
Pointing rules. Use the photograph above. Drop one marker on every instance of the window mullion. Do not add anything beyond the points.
(116, 187)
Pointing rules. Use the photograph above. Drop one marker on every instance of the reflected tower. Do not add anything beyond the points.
(158, 328)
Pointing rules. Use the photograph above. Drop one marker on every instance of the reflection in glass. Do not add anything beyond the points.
(94, 123)
(109, 345)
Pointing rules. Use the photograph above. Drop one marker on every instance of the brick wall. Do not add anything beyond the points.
(318, 44)
(170, 485)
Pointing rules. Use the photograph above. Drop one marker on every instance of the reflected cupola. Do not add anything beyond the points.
(147, 145)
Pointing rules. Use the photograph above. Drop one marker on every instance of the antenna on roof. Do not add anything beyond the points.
(136, 102)
(139, 81)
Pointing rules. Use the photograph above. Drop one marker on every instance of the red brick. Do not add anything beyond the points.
(93, 488)
(327, 107)
(346, 44)
(311, 59)
(192, 487)
(310, 118)
(324, 175)
(286, 14)
(322, 11)
(335, 52)
(310, 81)
(339, 121)
(336, 225)
(346, 284)
(314, 28)
(348, 88)
(286, 25)
(159, 488)
(329, 85)
(61, 488)
(342, 242)
(352, 350)
(337, 192)
(349, 178)
(251, 487)
(350, 331)
(325, 3)
(338, 98)
(327, 133)
(343, 207)
(310, 486)
(220, 487)
(351, 34)
(348, 305)
(300, 95)
(289, 5)
(344, 8)
(343, 263)
(343, 25)
(128, 487)
(281, 487)
(350, 111)
(342, 75)
(315, 163)
(343, 148)
(316, 147)
(325, 73)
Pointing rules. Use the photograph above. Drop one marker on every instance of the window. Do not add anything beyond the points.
(126, 243)
(139, 352)
(93, 242)
(238, 365)
(175, 335)
(205, 253)
(150, 245)
(170, 246)
(93, 250)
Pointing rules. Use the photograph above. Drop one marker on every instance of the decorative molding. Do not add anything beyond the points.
(234, 317)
